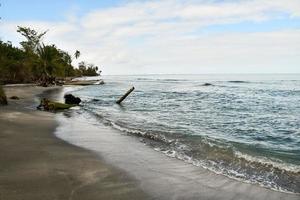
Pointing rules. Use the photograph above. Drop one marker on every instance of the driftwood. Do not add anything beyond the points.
(48, 105)
(82, 83)
(14, 97)
(125, 95)
(46, 80)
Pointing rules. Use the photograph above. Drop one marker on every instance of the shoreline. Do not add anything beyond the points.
(52, 162)
(35, 164)
(161, 176)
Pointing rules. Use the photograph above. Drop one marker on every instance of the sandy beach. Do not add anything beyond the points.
(150, 99)
(36, 164)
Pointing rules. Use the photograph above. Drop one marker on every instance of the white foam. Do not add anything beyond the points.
(275, 163)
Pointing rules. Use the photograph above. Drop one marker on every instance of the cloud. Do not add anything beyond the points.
(165, 36)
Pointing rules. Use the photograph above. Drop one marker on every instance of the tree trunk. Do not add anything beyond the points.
(3, 100)
(125, 95)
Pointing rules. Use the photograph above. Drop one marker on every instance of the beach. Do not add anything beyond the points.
(149, 99)
(37, 165)
(96, 162)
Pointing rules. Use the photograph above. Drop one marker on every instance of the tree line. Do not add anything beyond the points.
(36, 62)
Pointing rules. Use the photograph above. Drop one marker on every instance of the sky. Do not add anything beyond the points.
(167, 36)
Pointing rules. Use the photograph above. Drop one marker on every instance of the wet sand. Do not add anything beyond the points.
(34, 164)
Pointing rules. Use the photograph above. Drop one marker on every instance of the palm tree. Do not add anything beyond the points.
(77, 54)
(45, 58)
(48, 56)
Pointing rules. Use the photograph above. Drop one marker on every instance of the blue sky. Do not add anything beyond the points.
(52, 10)
(138, 37)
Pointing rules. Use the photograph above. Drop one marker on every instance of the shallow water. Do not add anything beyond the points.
(243, 126)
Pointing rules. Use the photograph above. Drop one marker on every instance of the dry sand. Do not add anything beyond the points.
(34, 164)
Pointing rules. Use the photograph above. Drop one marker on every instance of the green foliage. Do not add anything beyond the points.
(85, 69)
(12, 66)
(52, 60)
(36, 61)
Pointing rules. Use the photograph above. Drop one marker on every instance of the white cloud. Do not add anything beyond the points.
(163, 37)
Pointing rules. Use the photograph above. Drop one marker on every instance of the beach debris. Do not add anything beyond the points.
(46, 81)
(71, 99)
(3, 100)
(48, 105)
(59, 82)
(125, 95)
(82, 82)
(14, 97)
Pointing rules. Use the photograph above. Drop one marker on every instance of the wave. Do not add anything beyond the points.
(167, 121)
(144, 79)
(265, 161)
(144, 134)
(238, 81)
(223, 160)
(240, 174)
(172, 80)
(162, 79)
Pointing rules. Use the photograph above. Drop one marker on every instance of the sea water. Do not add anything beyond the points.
(246, 127)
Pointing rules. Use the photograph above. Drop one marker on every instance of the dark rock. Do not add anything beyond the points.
(101, 82)
(14, 98)
(207, 84)
(70, 99)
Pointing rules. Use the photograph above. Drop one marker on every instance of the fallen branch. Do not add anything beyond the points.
(125, 95)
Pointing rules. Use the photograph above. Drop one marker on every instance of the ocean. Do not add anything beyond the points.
(246, 127)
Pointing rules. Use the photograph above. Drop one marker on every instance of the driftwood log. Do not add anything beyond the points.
(125, 95)
(48, 105)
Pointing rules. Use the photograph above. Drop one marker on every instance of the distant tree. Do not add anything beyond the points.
(85, 69)
(33, 38)
(77, 54)
(36, 61)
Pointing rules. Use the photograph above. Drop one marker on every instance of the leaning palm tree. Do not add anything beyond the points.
(47, 56)
(77, 54)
